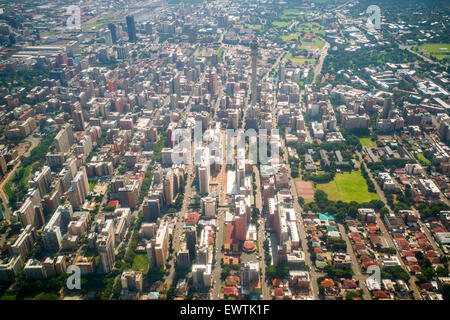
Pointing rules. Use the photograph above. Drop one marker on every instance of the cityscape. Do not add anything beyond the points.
(224, 150)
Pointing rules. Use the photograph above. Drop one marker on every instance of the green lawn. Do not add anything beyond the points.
(281, 24)
(437, 50)
(316, 44)
(367, 142)
(299, 60)
(140, 263)
(422, 159)
(291, 12)
(348, 187)
(290, 37)
(311, 28)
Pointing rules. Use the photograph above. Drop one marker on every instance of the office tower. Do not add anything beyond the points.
(105, 246)
(209, 206)
(131, 28)
(203, 179)
(254, 55)
(191, 240)
(203, 162)
(78, 120)
(113, 30)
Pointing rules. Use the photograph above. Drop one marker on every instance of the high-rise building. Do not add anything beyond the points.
(64, 139)
(209, 206)
(79, 189)
(113, 30)
(132, 281)
(78, 120)
(131, 28)
(151, 210)
(150, 248)
(191, 240)
(387, 107)
(183, 257)
(161, 245)
(254, 56)
(201, 275)
(105, 246)
(250, 273)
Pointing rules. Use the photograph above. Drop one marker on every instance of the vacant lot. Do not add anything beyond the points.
(348, 187)
(304, 189)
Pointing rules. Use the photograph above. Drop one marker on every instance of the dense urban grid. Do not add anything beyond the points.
(126, 145)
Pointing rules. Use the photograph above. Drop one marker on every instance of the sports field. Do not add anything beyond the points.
(367, 142)
(311, 45)
(299, 60)
(290, 37)
(281, 24)
(348, 187)
(437, 50)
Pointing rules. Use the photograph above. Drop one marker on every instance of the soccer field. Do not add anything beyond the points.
(348, 187)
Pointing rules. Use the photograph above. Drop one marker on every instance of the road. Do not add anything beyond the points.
(387, 234)
(323, 54)
(177, 233)
(355, 265)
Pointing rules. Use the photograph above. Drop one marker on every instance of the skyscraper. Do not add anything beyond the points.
(254, 55)
(131, 28)
(113, 30)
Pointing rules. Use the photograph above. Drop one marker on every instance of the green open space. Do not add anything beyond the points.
(367, 142)
(290, 37)
(311, 45)
(255, 26)
(311, 28)
(437, 50)
(422, 159)
(298, 59)
(348, 187)
(140, 263)
(281, 24)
